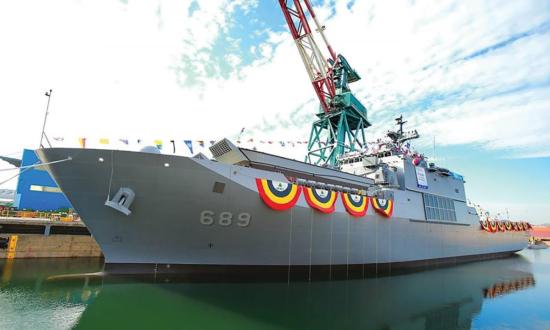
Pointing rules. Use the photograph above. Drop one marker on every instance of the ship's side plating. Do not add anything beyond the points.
(191, 211)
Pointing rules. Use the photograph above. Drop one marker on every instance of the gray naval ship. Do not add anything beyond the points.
(246, 210)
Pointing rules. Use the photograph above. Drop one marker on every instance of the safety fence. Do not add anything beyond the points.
(54, 216)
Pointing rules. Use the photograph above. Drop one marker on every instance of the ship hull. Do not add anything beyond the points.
(182, 222)
(237, 273)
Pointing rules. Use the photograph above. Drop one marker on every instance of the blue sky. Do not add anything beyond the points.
(473, 74)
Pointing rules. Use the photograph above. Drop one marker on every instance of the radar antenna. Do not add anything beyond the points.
(399, 137)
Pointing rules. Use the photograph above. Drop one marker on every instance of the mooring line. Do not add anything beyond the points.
(30, 167)
(289, 247)
(330, 252)
(347, 249)
(111, 177)
(37, 164)
(310, 242)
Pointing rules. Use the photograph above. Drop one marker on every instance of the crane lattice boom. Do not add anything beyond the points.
(342, 119)
(320, 71)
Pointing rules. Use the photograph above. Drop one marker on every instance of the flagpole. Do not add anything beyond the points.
(434, 151)
(240, 134)
(49, 95)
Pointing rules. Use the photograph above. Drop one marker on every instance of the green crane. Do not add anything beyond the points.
(342, 118)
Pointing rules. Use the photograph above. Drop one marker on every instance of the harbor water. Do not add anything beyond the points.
(508, 293)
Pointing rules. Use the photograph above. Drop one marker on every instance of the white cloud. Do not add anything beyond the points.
(411, 56)
(233, 60)
(110, 66)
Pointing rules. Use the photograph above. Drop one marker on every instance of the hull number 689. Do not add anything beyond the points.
(225, 218)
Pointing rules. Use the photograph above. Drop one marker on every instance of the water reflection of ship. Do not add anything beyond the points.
(506, 287)
(446, 298)
(31, 275)
(439, 298)
(29, 300)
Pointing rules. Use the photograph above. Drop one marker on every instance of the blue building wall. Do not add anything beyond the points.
(36, 189)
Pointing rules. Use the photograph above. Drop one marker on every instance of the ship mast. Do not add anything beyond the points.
(43, 135)
(399, 137)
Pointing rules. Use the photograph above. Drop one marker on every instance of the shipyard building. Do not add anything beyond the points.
(36, 190)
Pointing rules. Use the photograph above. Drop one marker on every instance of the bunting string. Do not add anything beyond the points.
(191, 146)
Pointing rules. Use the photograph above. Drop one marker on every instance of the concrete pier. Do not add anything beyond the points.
(44, 238)
(12, 225)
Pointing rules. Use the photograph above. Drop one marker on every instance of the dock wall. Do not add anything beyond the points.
(53, 246)
(44, 238)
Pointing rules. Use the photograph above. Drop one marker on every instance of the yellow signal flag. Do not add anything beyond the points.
(158, 143)
(104, 141)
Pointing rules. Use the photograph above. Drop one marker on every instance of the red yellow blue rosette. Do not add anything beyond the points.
(356, 205)
(278, 195)
(485, 225)
(493, 225)
(320, 199)
(509, 225)
(382, 206)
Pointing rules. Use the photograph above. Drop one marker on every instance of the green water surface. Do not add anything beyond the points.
(507, 293)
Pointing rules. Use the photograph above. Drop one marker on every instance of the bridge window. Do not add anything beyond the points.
(439, 208)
